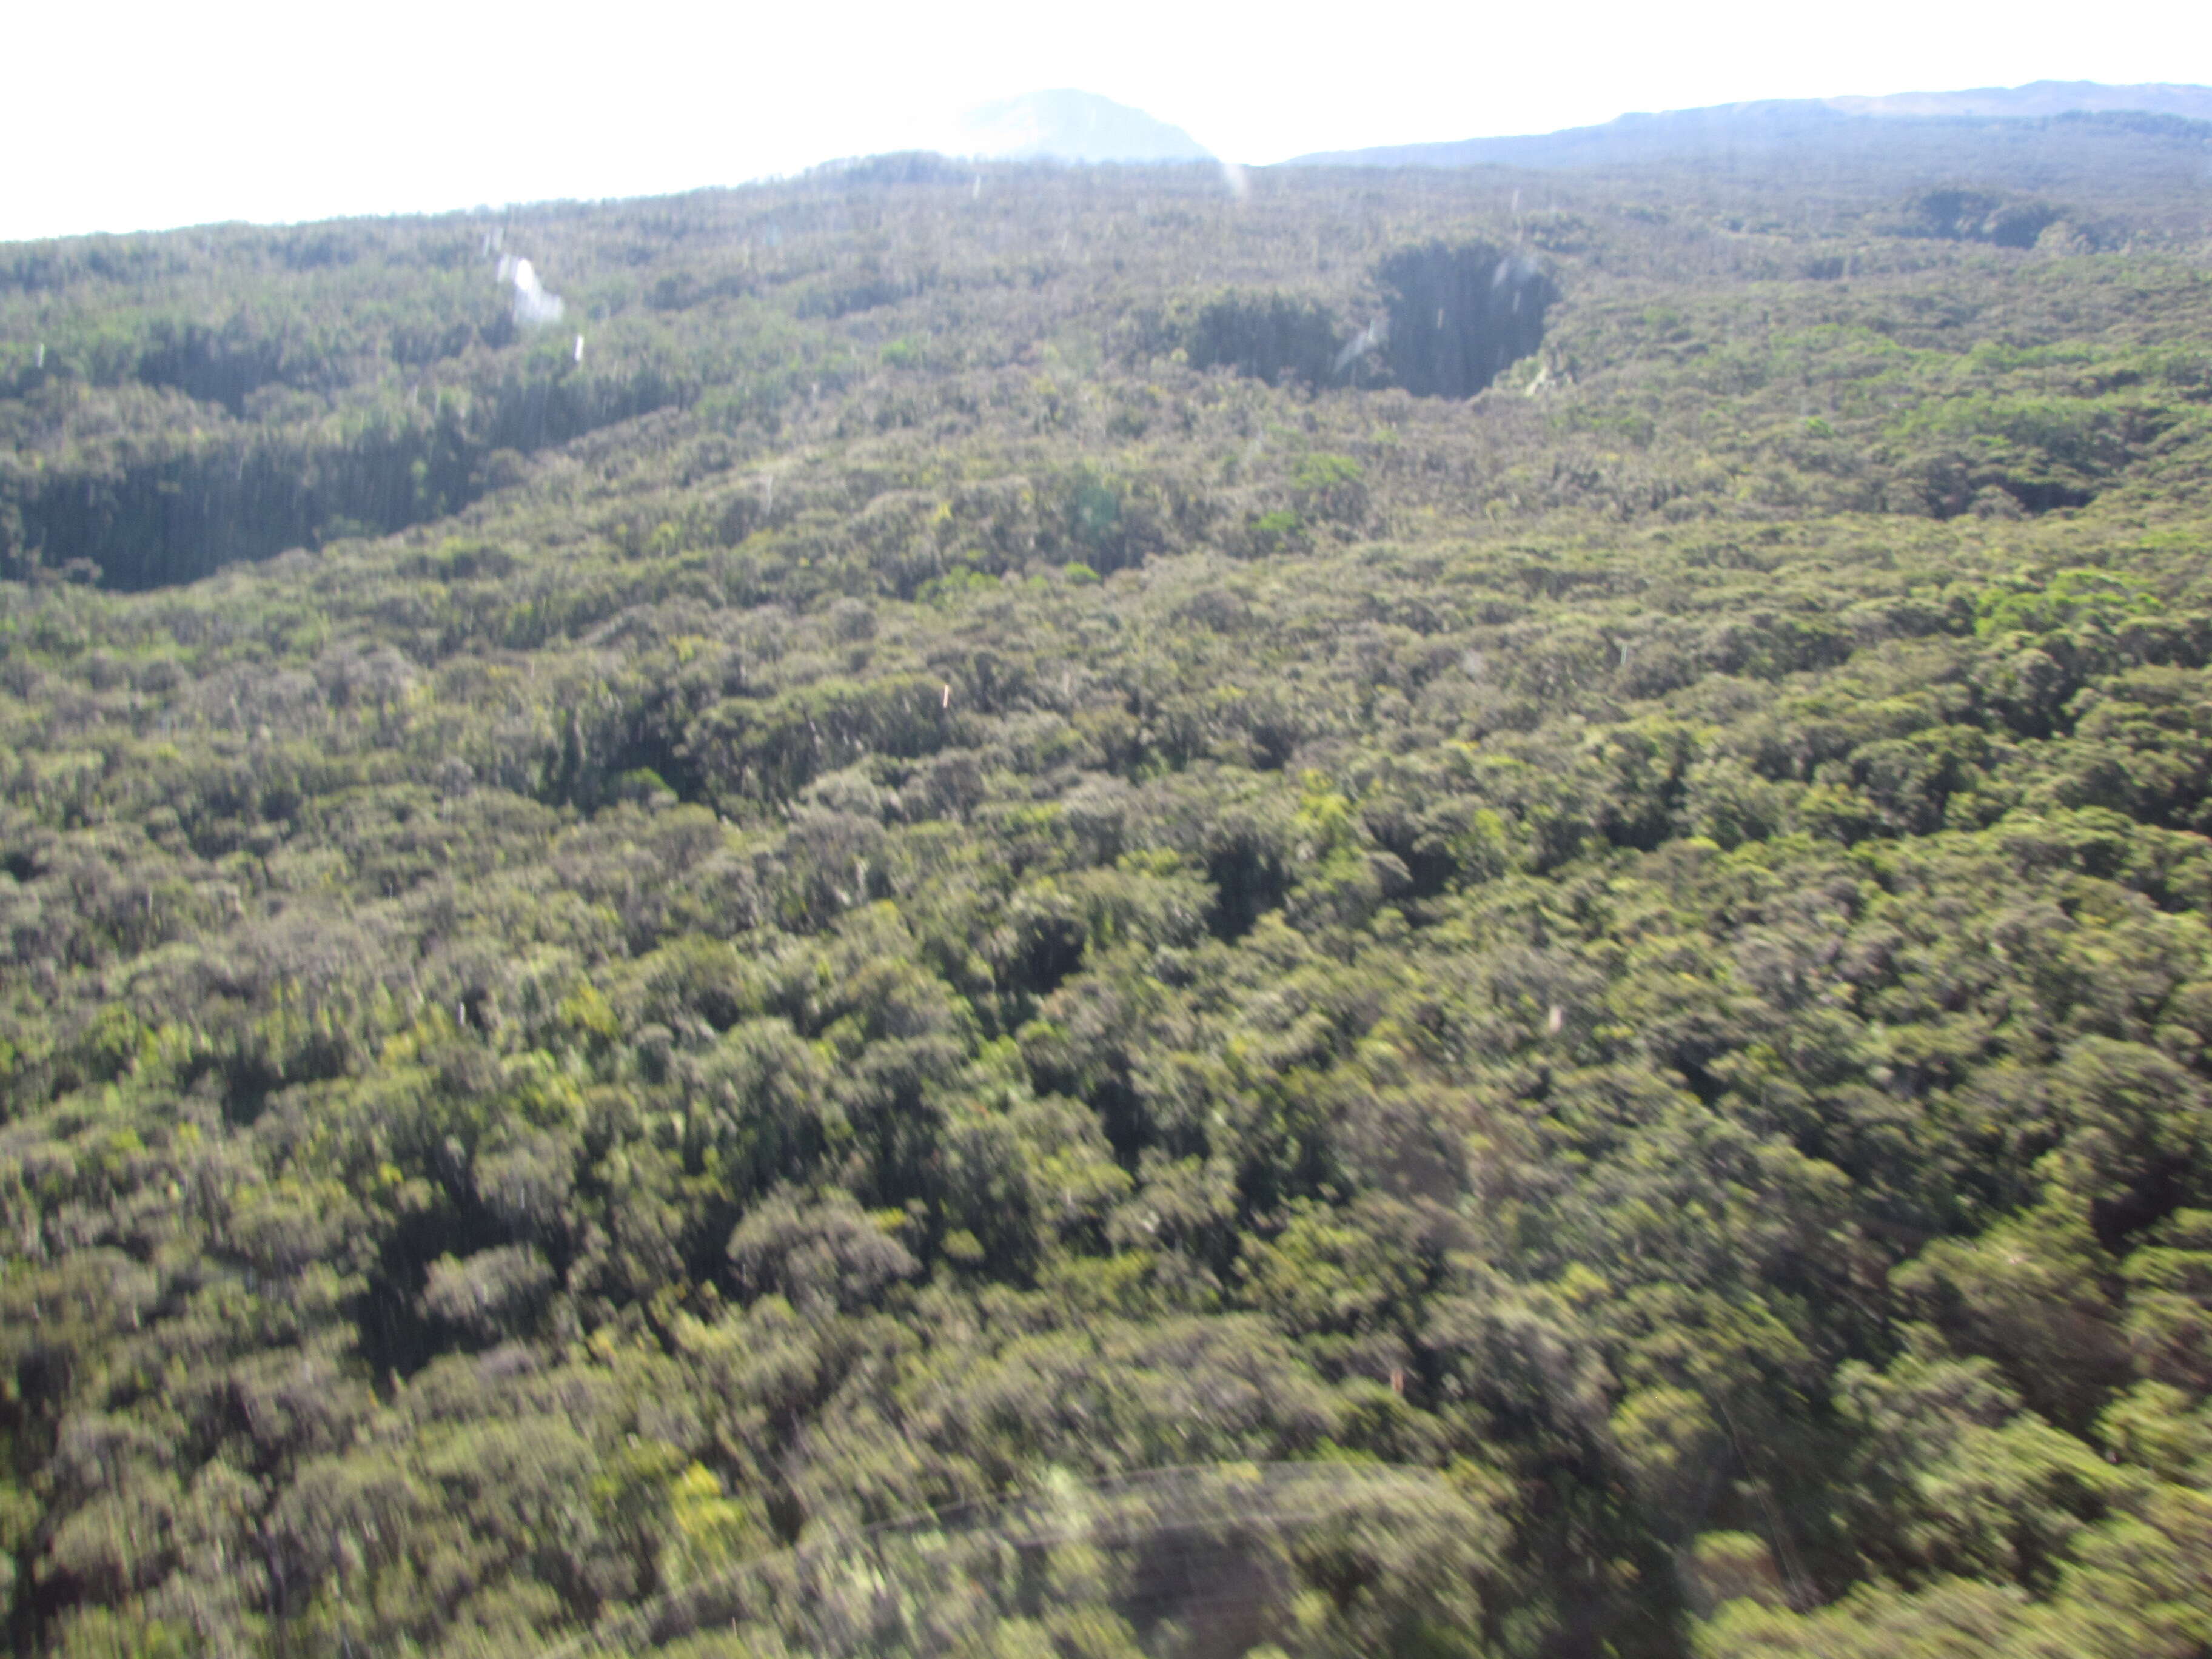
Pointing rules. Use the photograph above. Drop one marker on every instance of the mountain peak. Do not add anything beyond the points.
(1065, 125)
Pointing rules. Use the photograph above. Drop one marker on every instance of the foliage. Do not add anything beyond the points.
(940, 878)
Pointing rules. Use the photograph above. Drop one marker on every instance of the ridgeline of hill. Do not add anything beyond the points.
(2050, 133)
(970, 834)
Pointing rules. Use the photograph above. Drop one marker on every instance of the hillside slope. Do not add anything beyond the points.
(1431, 912)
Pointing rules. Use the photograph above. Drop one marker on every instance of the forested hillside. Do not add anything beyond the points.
(1524, 855)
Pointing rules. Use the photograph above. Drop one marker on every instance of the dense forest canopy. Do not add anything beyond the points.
(1056, 911)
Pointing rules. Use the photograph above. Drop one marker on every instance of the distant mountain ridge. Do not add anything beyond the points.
(1773, 124)
(2038, 98)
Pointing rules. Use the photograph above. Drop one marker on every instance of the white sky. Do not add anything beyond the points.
(131, 115)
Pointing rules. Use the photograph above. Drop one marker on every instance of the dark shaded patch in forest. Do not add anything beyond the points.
(2036, 496)
(1454, 315)
(1977, 216)
(868, 290)
(1274, 337)
(177, 517)
(1248, 880)
(1458, 313)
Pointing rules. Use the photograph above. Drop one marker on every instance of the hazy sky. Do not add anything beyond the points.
(131, 115)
